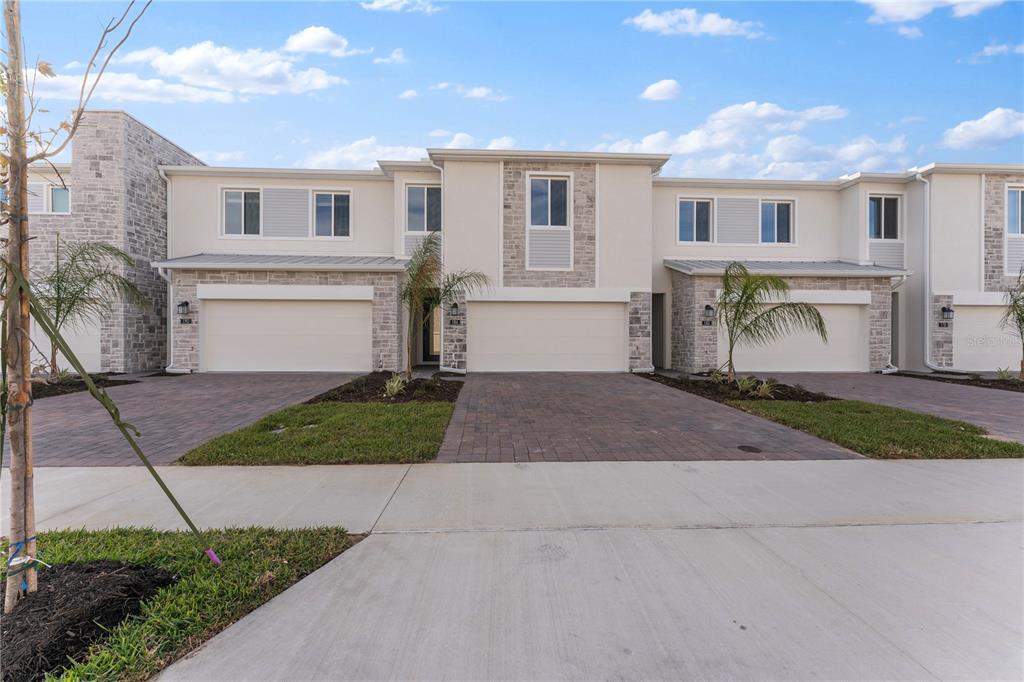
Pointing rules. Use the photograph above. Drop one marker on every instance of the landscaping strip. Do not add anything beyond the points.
(369, 388)
(187, 600)
(47, 390)
(883, 431)
(968, 380)
(723, 391)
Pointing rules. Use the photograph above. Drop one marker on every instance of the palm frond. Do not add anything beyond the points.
(776, 321)
(1012, 319)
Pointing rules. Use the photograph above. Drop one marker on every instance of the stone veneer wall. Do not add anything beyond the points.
(386, 315)
(453, 337)
(996, 278)
(584, 224)
(639, 322)
(695, 346)
(118, 197)
(942, 337)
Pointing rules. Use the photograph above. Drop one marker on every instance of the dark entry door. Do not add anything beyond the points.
(432, 334)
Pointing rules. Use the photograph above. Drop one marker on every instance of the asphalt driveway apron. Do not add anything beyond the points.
(569, 417)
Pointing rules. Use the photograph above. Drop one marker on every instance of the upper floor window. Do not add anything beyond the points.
(884, 217)
(46, 198)
(695, 220)
(242, 211)
(423, 209)
(1014, 214)
(332, 214)
(60, 200)
(776, 222)
(549, 202)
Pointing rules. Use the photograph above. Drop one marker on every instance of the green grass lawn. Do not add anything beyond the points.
(258, 563)
(333, 433)
(883, 431)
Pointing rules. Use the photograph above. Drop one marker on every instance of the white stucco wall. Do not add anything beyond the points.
(624, 234)
(472, 217)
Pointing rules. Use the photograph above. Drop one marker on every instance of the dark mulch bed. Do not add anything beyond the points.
(725, 392)
(969, 380)
(43, 390)
(164, 373)
(75, 605)
(369, 388)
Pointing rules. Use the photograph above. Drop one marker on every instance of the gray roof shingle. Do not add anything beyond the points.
(238, 261)
(820, 268)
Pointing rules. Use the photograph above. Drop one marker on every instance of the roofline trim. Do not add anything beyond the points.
(672, 264)
(299, 173)
(654, 160)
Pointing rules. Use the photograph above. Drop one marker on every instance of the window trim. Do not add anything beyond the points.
(792, 221)
(49, 199)
(49, 186)
(1007, 235)
(312, 215)
(405, 207)
(224, 212)
(569, 218)
(712, 215)
(899, 226)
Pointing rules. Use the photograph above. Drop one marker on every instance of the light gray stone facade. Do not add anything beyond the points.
(996, 278)
(453, 337)
(584, 226)
(386, 346)
(118, 197)
(639, 323)
(695, 344)
(942, 332)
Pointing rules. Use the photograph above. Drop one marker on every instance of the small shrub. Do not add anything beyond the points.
(766, 389)
(394, 386)
(718, 377)
(746, 385)
(1004, 374)
(65, 376)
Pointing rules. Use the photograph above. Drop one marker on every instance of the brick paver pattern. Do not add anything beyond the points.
(174, 414)
(561, 417)
(1001, 412)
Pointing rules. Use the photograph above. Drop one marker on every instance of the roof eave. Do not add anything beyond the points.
(655, 161)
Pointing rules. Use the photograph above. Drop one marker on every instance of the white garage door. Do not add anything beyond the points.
(979, 344)
(546, 337)
(285, 336)
(846, 350)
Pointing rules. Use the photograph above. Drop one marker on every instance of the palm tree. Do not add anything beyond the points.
(427, 286)
(750, 311)
(1013, 316)
(82, 284)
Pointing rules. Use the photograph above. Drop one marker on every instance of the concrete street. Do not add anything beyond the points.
(853, 569)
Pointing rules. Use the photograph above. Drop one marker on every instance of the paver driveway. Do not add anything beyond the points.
(1001, 412)
(549, 417)
(174, 414)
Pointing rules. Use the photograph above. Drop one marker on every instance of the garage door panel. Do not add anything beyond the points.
(285, 336)
(846, 350)
(513, 336)
(979, 343)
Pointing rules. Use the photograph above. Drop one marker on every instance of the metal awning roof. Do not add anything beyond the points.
(238, 261)
(817, 268)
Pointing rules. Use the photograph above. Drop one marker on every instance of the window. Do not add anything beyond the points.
(60, 200)
(884, 217)
(242, 212)
(776, 222)
(695, 220)
(549, 202)
(423, 209)
(332, 214)
(1014, 214)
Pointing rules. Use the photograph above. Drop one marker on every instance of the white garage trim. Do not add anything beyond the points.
(824, 296)
(552, 295)
(284, 292)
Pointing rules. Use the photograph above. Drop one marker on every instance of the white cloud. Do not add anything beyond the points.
(443, 85)
(221, 157)
(1002, 124)
(460, 141)
(408, 94)
(128, 87)
(691, 22)
(362, 153)
(397, 56)
(994, 50)
(662, 90)
(896, 11)
(321, 40)
(906, 120)
(730, 127)
(503, 142)
(246, 72)
(424, 6)
(74, 65)
(910, 32)
(439, 132)
(482, 92)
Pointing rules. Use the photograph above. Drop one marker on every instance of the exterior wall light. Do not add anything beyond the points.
(453, 310)
(709, 316)
(183, 309)
(947, 313)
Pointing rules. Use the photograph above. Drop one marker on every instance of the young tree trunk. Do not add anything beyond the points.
(54, 370)
(410, 343)
(19, 387)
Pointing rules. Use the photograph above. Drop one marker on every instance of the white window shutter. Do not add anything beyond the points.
(37, 197)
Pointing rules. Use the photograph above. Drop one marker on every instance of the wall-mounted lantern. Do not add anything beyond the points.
(453, 309)
(709, 316)
(183, 309)
(947, 313)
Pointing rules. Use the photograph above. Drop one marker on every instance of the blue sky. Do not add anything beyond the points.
(766, 89)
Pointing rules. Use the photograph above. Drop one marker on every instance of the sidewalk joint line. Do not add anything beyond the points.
(390, 497)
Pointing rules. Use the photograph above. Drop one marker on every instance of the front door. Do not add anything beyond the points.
(432, 334)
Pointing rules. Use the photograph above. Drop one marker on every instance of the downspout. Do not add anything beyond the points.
(890, 367)
(169, 368)
(926, 360)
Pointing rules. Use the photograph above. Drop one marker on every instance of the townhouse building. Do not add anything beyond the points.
(596, 262)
